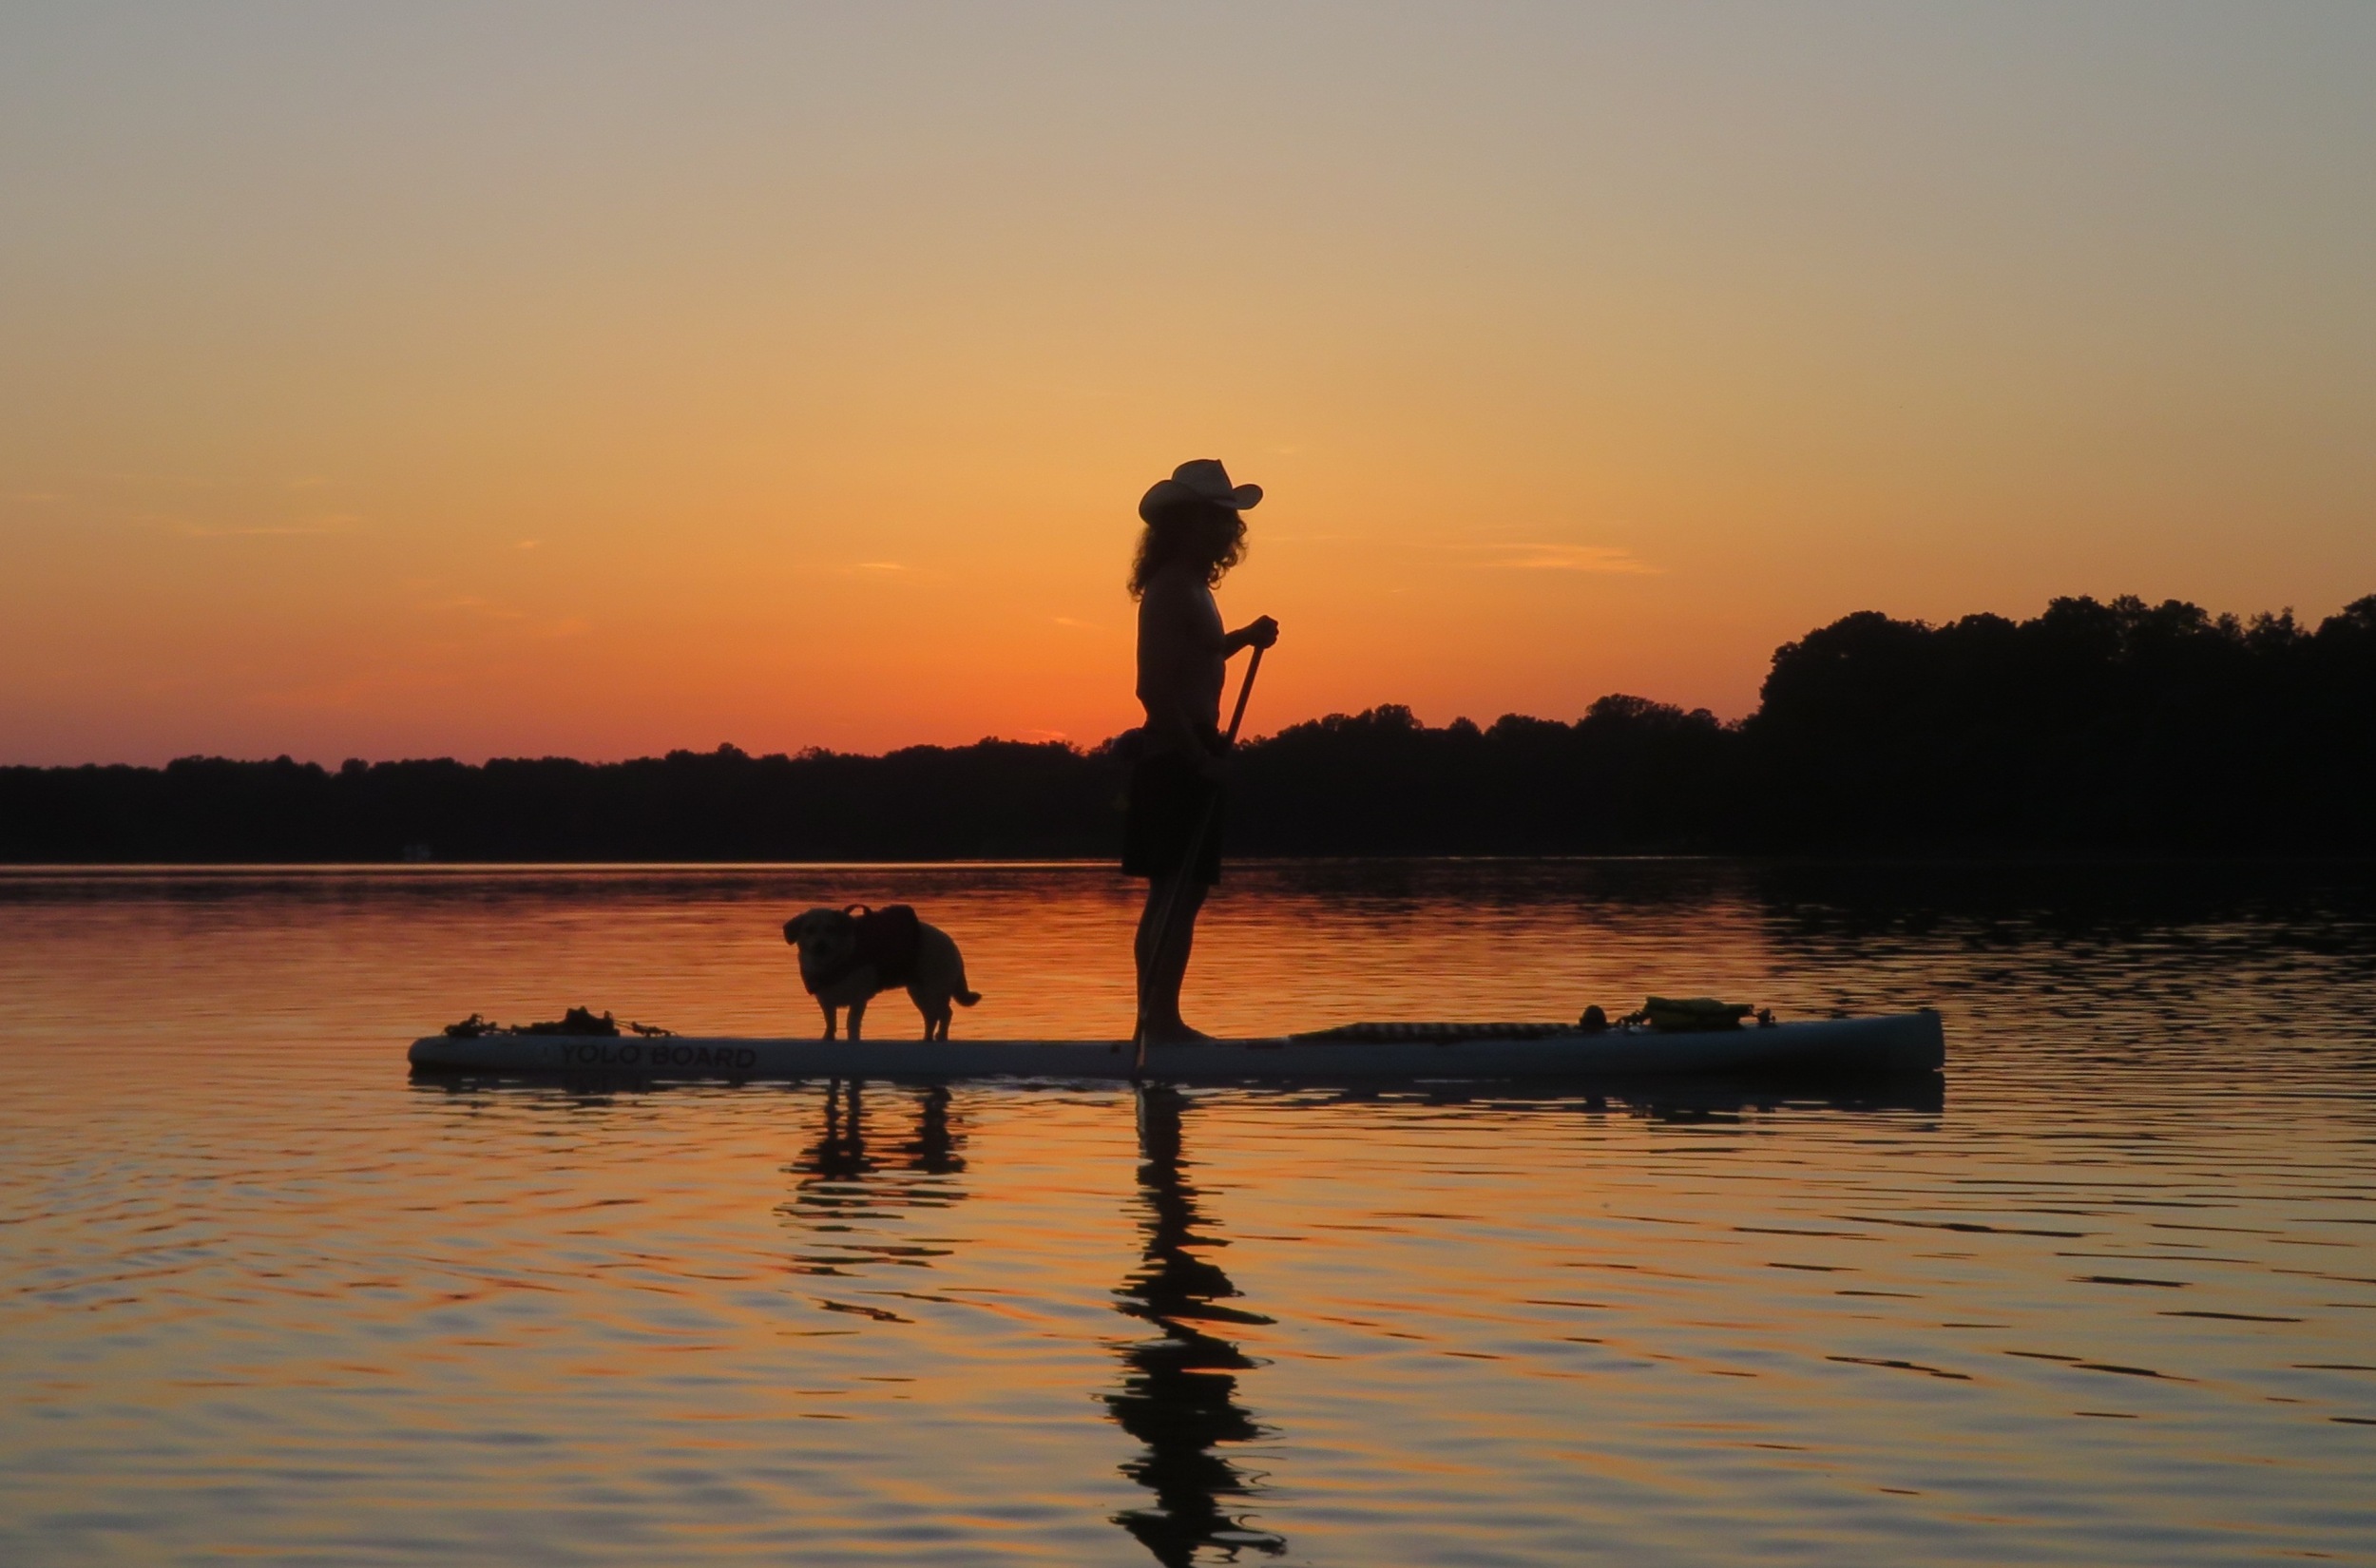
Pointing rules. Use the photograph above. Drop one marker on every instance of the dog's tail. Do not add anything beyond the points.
(964, 998)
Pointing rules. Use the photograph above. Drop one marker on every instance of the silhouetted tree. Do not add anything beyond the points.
(2118, 726)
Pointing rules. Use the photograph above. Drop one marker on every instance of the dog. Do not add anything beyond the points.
(849, 955)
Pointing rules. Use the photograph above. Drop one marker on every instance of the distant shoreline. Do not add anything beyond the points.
(2096, 730)
(2073, 860)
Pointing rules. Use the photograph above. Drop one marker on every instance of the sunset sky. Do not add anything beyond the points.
(486, 379)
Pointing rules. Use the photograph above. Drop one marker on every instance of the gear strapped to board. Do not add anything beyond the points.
(888, 939)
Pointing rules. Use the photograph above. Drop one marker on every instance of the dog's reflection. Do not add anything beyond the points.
(850, 1182)
(1179, 1396)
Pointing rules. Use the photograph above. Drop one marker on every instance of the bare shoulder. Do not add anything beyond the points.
(1174, 596)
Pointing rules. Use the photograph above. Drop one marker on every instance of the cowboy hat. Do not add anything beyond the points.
(1201, 479)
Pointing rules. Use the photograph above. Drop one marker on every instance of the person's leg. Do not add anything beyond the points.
(1142, 944)
(1161, 973)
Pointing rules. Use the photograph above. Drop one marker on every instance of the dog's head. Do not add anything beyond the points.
(823, 935)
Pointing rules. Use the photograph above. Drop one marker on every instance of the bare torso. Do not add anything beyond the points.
(1182, 655)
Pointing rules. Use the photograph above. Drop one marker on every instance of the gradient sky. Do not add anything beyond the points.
(488, 379)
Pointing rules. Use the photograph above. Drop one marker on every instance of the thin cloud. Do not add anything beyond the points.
(472, 605)
(1540, 555)
(311, 527)
(169, 481)
(880, 570)
(886, 571)
(352, 690)
(1565, 558)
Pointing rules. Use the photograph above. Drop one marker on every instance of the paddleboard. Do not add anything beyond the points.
(1894, 1045)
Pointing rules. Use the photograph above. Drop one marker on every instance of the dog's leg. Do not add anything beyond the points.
(857, 1011)
(829, 1018)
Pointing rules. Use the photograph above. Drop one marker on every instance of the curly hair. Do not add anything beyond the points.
(1212, 536)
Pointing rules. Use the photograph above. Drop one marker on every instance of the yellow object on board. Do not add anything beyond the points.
(1695, 1012)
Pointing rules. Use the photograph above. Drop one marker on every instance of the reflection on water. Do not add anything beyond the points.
(1179, 1398)
(845, 1186)
(1179, 1395)
(2107, 1298)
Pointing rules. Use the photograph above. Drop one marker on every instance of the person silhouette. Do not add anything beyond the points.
(1195, 531)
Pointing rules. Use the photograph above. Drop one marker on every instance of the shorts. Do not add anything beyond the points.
(1169, 802)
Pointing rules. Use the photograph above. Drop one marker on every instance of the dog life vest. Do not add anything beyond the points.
(888, 939)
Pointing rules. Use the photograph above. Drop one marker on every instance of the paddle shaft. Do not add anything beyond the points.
(1187, 867)
(1245, 690)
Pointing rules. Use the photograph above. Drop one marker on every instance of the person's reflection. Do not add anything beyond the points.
(1179, 1397)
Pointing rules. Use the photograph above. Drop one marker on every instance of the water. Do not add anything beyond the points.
(2110, 1298)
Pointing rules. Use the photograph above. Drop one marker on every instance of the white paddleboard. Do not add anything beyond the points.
(1899, 1043)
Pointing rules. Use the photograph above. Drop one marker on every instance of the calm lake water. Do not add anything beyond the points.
(2108, 1297)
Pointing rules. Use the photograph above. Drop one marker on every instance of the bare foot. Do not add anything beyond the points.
(1174, 1033)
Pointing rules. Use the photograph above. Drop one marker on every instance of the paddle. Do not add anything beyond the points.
(1187, 865)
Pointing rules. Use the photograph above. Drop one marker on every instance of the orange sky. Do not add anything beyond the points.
(496, 381)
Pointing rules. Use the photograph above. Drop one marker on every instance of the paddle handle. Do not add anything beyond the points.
(1245, 690)
(1187, 864)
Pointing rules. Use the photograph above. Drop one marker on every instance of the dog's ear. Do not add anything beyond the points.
(791, 929)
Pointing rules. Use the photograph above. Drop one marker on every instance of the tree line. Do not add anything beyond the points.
(2094, 728)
